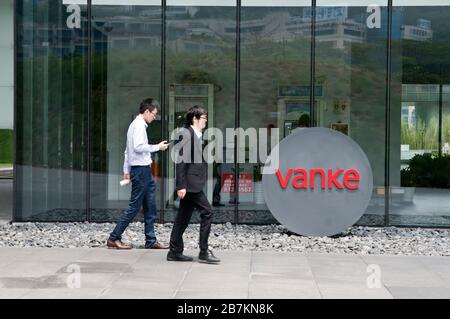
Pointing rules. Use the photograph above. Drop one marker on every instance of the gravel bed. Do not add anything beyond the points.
(356, 240)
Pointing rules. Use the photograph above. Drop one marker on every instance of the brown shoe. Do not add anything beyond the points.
(158, 245)
(117, 244)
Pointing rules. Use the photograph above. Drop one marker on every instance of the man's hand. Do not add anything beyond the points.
(181, 193)
(126, 176)
(163, 145)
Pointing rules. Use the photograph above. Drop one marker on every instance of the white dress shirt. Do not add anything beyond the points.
(198, 133)
(138, 151)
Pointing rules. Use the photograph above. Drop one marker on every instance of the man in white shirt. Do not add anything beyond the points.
(136, 167)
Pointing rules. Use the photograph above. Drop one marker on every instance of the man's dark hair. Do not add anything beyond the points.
(195, 111)
(148, 104)
(303, 121)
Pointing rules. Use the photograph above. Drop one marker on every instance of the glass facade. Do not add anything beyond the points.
(51, 111)
(419, 115)
(275, 65)
(350, 74)
(200, 61)
(125, 68)
(377, 73)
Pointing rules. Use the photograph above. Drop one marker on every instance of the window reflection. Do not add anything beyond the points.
(351, 72)
(126, 66)
(51, 111)
(200, 67)
(420, 115)
(200, 70)
(275, 86)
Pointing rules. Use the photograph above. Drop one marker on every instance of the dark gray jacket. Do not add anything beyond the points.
(192, 171)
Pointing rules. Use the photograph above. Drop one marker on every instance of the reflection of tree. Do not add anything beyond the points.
(423, 62)
(6, 146)
(211, 67)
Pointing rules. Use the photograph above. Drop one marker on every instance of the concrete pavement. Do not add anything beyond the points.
(103, 273)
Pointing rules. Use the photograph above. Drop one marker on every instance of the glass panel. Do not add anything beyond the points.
(420, 115)
(200, 69)
(351, 51)
(126, 69)
(7, 107)
(51, 110)
(275, 86)
(445, 118)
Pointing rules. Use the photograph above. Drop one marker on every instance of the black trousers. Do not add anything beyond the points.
(187, 206)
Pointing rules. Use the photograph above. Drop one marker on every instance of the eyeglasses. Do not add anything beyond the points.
(204, 117)
(153, 113)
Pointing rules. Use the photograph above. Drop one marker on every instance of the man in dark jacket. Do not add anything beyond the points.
(191, 176)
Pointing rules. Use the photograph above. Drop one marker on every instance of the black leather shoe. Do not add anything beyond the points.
(178, 257)
(208, 257)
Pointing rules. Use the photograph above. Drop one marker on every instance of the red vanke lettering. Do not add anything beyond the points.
(339, 179)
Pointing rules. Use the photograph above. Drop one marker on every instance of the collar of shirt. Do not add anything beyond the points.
(199, 134)
(142, 119)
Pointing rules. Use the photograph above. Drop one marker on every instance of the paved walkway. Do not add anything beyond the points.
(103, 273)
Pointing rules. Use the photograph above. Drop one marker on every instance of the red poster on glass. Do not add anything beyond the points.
(245, 183)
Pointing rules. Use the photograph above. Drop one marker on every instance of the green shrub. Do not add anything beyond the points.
(427, 171)
(6, 146)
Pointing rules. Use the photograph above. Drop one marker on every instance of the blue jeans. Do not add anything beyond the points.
(142, 194)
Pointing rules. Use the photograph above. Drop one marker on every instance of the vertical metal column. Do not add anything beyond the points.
(441, 82)
(237, 120)
(164, 116)
(388, 116)
(88, 121)
(14, 212)
(312, 72)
